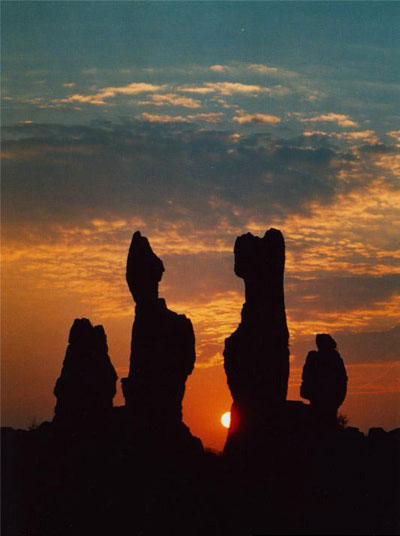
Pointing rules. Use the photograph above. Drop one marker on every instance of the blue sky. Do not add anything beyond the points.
(344, 54)
(195, 122)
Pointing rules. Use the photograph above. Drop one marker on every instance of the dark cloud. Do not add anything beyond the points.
(339, 293)
(370, 347)
(70, 174)
(378, 149)
(356, 348)
(207, 274)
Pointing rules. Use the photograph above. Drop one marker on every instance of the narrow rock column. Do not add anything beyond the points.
(87, 384)
(256, 355)
(163, 344)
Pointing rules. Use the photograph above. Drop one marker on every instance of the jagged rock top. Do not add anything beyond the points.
(87, 383)
(87, 342)
(143, 267)
(255, 256)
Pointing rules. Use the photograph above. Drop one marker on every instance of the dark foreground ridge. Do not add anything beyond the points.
(287, 467)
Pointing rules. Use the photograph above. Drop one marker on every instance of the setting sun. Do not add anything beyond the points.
(226, 419)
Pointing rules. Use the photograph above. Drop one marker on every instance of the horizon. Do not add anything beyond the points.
(195, 123)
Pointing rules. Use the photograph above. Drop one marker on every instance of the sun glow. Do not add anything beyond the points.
(226, 419)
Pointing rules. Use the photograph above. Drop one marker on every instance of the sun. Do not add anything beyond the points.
(226, 419)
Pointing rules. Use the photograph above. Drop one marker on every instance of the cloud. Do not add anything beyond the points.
(157, 118)
(244, 118)
(359, 135)
(262, 68)
(199, 280)
(211, 117)
(201, 90)
(171, 99)
(84, 99)
(234, 88)
(394, 134)
(254, 68)
(220, 68)
(378, 150)
(341, 119)
(231, 88)
(167, 168)
(162, 169)
(308, 133)
(362, 135)
(135, 88)
(356, 348)
(342, 293)
(77, 193)
(367, 245)
(234, 68)
(370, 347)
(98, 99)
(390, 163)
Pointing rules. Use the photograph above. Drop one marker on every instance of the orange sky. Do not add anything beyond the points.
(47, 285)
(195, 126)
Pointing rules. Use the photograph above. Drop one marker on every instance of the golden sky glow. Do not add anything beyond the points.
(82, 274)
(195, 136)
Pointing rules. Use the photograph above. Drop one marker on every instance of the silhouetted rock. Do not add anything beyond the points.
(376, 433)
(163, 344)
(87, 384)
(256, 355)
(324, 380)
(140, 471)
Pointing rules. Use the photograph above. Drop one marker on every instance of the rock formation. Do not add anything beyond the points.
(87, 384)
(163, 345)
(324, 380)
(256, 355)
(141, 472)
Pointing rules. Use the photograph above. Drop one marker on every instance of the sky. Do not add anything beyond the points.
(195, 122)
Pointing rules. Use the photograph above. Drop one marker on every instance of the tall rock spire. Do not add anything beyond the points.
(163, 344)
(87, 383)
(256, 355)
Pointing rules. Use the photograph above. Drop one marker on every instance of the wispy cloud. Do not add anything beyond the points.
(255, 68)
(158, 118)
(243, 118)
(99, 98)
(192, 191)
(263, 69)
(365, 135)
(290, 176)
(171, 99)
(394, 134)
(361, 135)
(342, 120)
(200, 90)
(211, 117)
(220, 68)
(234, 88)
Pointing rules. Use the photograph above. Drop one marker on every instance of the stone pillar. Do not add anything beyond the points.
(163, 344)
(87, 384)
(256, 355)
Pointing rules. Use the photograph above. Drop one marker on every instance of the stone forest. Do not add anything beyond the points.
(288, 467)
